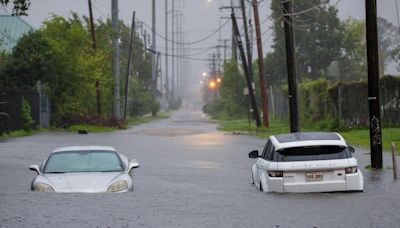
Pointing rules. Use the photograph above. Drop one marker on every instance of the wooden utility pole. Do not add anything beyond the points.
(234, 45)
(261, 68)
(375, 130)
(248, 44)
(394, 161)
(173, 88)
(98, 91)
(92, 26)
(239, 43)
(128, 70)
(115, 59)
(291, 69)
(166, 52)
(154, 54)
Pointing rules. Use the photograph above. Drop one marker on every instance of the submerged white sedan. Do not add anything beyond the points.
(88, 169)
(306, 162)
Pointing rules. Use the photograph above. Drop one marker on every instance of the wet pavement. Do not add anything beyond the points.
(191, 175)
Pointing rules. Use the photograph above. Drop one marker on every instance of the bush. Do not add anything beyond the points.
(94, 120)
(27, 120)
(175, 104)
(155, 108)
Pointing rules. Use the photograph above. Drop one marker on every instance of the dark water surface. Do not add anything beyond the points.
(190, 176)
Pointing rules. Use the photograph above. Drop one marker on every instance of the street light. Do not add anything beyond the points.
(212, 84)
(219, 80)
(204, 74)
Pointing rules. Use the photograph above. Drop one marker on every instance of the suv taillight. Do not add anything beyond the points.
(350, 170)
(275, 173)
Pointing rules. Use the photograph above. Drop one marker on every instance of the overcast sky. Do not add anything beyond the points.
(201, 18)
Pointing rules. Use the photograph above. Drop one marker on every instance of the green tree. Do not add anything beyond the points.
(26, 117)
(140, 67)
(318, 37)
(233, 103)
(20, 7)
(352, 63)
(31, 60)
(60, 55)
(72, 84)
(388, 36)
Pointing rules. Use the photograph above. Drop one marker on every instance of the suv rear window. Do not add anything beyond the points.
(311, 153)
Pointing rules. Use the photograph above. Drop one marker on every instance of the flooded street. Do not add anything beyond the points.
(191, 175)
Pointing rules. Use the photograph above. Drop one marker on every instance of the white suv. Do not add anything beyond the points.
(306, 162)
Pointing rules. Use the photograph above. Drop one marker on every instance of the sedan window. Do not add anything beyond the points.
(312, 153)
(83, 161)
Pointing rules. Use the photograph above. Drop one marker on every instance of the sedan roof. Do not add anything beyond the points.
(81, 148)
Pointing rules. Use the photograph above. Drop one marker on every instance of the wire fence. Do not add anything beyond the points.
(345, 103)
(11, 109)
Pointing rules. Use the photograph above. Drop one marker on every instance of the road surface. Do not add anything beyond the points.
(191, 175)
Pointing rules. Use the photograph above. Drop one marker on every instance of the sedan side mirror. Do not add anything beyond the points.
(254, 154)
(351, 149)
(35, 168)
(133, 165)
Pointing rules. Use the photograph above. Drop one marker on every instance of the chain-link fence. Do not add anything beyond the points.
(11, 107)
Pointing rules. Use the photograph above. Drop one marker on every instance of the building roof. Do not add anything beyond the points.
(12, 28)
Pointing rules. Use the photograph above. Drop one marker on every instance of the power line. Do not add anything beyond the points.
(98, 10)
(194, 48)
(296, 26)
(193, 42)
(184, 57)
(310, 9)
(397, 13)
(104, 6)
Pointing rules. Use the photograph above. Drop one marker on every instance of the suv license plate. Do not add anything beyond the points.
(314, 176)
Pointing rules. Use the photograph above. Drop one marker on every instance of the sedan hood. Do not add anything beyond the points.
(80, 182)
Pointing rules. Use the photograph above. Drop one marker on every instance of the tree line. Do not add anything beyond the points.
(59, 55)
(326, 48)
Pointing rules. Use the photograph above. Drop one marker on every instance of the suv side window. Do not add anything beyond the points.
(272, 155)
(268, 152)
(265, 152)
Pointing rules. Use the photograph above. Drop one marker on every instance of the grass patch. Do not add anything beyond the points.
(361, 137)
(242, 125)
(146, 119)
(20, 133)
(358, 137)
(86, 127)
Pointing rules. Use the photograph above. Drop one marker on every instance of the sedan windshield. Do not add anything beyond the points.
(312, 153)
(83, 161)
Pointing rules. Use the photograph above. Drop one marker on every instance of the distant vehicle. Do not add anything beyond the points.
(88, 169)
(306, 162)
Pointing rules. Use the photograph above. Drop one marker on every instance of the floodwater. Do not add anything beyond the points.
(190, 176)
